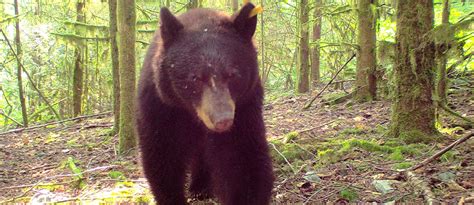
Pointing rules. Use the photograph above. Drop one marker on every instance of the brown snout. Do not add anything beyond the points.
(216, 109)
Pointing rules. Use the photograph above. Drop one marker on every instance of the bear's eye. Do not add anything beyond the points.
(232, 74)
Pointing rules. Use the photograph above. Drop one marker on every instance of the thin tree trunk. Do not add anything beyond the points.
(442, 61)
(126, 20)
(365, 76)
(21, 93)
(413, 110)
(78, 83)
(303, 76)
(115, 63)
(235, 5)
(315, 52)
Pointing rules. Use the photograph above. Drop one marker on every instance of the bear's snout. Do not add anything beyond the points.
(216, 109)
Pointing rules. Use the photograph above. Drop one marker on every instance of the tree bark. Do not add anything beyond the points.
(413, 110)
(77, 82)
(126, 27)
(21, 92)
(115, 63)
(303, 76)
(443, 59)
(365, 85)
(315, 52)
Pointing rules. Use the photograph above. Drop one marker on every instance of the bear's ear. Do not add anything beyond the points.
(244, 22)
(170, 26)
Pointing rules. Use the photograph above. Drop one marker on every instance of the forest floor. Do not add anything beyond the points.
(330, 153)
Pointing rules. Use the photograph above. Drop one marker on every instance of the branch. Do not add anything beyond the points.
(75, 23)
(286, 160)
(52, 123)
(10, 118)
(78, 37)
(308, 105)
(441, 152)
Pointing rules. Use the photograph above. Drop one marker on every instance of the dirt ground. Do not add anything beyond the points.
(78, 161)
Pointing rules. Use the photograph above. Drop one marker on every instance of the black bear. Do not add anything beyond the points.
(200, 107)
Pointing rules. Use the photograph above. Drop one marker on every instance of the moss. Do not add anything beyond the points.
(325, 152)
(415, 136)
(396, 155)
(448, 156)
(333, 96)
(402, 165)
(352, 131)
(395, 150)
(291, 152)
(380, 129)
(290, 136)
(348, 194)
(368, 146)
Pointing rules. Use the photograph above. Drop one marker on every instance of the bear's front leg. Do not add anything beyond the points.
(167, 145)
(240, 162)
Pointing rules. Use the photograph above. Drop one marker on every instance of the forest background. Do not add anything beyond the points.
(60, 60)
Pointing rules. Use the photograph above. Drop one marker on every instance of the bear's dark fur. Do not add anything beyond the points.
(200, 107)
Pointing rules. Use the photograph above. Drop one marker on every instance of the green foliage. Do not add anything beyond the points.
(290, 151)
(349, 194)
(290, 136)
(352, 131)
(116, 175)
(78, 176)
(449, 156)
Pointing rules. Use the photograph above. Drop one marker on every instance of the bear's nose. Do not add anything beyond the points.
(223, 125)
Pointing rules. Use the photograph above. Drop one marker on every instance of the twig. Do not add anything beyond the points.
(441, 152)
(308, 105)
(52, 123)
(286, 160)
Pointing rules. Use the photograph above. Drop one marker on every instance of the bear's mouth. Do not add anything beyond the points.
(216, 109)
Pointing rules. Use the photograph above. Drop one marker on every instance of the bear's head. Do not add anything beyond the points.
(207, 63)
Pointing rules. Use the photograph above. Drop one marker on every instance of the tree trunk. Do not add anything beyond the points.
(442, 61)
(303, 76)
(315, 52)
(192, 4)
(235, 5)
(365, 85)
(413, 110)
(21, 93)
(126, 27)
(115, 63)
(77, 82)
